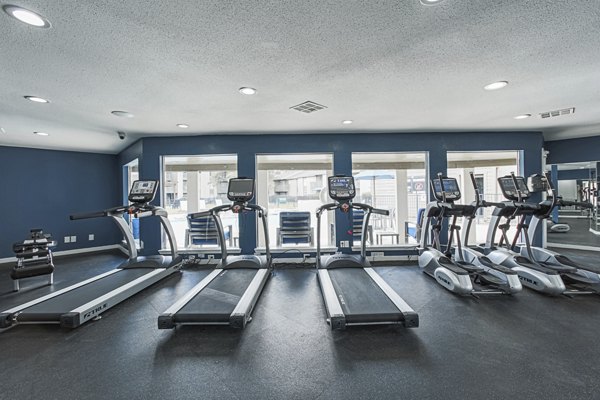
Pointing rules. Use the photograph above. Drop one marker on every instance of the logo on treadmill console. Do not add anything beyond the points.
(95, 311)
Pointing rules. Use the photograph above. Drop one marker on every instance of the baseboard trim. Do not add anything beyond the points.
(75, 251)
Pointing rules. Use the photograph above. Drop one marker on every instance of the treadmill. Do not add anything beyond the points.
(228, 294)
(74, 305)
(354, 293)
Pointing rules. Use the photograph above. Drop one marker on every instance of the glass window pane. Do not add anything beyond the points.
(395, 182)
(487, 166)
(290, 186)
(196, 183)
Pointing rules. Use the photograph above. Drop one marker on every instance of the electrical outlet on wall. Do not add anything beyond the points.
(67, 239)
(73, 239)
(344, 243)
(91, 237)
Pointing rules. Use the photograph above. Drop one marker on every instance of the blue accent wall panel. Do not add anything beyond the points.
(573, 150)
(41, 188)
(574, 174)
(341, 145)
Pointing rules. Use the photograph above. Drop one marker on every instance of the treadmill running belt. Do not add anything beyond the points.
(362, 300)
(218, 299)
(52, 309)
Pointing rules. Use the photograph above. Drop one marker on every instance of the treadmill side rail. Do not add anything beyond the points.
(15, 310)
(337, 319)
(243, 311)
(411, 318)
(166, 320)
(94, 308)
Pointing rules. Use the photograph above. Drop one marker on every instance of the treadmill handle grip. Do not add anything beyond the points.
(200, 214)
(380, 211)
(96, 214)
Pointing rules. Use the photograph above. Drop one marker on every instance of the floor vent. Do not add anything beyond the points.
(308, 107)
(558, 113)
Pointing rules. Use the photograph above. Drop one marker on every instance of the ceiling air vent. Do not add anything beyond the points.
(308, 107)
(558, 113)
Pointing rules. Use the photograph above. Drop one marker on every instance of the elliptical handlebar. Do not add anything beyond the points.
(485, 203)
(527, 206)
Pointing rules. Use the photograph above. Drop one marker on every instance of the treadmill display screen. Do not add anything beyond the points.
(341, 187)
(507, 185)
(240, 189)
(143, 191)
(450, 188)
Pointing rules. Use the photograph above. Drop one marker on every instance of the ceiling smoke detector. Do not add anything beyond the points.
(308, 107)
(557, 113)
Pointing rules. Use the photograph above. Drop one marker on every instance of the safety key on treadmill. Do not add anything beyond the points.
(236, 209)
(345, 207)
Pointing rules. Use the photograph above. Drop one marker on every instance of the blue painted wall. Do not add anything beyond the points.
(574, 174)
(41, 188)
(150, 150)
(573, 150)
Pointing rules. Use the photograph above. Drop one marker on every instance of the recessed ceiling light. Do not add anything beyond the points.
(41, 133)
(496, 85)
(123, 114)
(26, 16)
(2, 130)
(347, 121)
(430, 2)
(184, 126)
(581, 167)
(523, 116)
(36, 99)
(247, 90)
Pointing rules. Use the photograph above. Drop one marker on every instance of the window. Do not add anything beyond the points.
(396, 182)
(289, 186)
(196, 183)
(487, 166)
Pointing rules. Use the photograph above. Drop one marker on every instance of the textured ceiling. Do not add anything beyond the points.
(387, 65)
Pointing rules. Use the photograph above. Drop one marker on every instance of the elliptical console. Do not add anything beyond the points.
(445, 189)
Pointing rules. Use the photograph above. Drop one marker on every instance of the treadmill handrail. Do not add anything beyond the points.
(138, 210)
(363, 237)
(214, 213)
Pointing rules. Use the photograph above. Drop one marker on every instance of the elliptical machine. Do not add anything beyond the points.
(533, 275)
(585, 279)
(458, 275)
(496, 275)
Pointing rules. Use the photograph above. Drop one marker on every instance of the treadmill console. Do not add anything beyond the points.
(341, 188)
(240, 190)
(507, 185)
(450, 189)
(143, 192)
